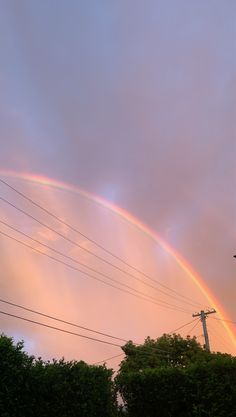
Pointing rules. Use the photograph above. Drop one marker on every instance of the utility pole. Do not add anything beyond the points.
(203, 314)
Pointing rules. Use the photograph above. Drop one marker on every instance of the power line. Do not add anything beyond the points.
(143, 353)
(91, 240)
(108, 359)
(184, 325)
(67, 224)
(149, 348)
(158, 350)
(161, 352)
(79, 326)
(91, 276)
(195, 325)
(219, 337)
(61, 320)
(152, 348)
(59, 329)
(86, 266)
(82, 327)
(88, 251)
(69, 332)
(75, 334)
(216, 335)
(227, 321)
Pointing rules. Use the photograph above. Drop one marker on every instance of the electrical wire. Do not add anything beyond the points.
(92, 276)
(184, 325)
(160, 351)
(76, 334)
(61, 320)
(59, 329)
(86, 266)
(149, 348)
(79, 326)
(222, 341)
(218, 340)
(67, 331)
(195, 325)
(87, 250)
(108, 359)
(227, 321)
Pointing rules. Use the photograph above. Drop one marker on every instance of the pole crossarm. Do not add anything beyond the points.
(211, 311)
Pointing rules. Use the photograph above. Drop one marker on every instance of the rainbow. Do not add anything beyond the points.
(185, 266)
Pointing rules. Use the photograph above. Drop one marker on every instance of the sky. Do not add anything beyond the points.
(133, 102)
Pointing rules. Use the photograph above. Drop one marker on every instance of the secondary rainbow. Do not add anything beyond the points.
(181, 261)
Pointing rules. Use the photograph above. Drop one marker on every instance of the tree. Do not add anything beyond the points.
(213, 387)
(15, 365)
(72, 389)
(176, 377)
(167, 350)
(34, 388)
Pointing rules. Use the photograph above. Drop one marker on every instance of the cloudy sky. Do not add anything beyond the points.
(135, 102)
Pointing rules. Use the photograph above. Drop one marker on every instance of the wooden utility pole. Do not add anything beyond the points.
(203, 314)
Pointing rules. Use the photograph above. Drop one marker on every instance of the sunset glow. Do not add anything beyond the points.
(194, 285)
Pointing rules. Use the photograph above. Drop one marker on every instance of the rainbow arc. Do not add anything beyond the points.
(180, 260)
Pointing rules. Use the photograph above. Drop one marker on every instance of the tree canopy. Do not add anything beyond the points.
(30, 387)
(167, 377)
(167, 350)
(175, 377)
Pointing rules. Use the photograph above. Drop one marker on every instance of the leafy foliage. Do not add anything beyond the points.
(176, 377)
(14, 371)
(167, 377)
(167, 350)
(33, 388)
